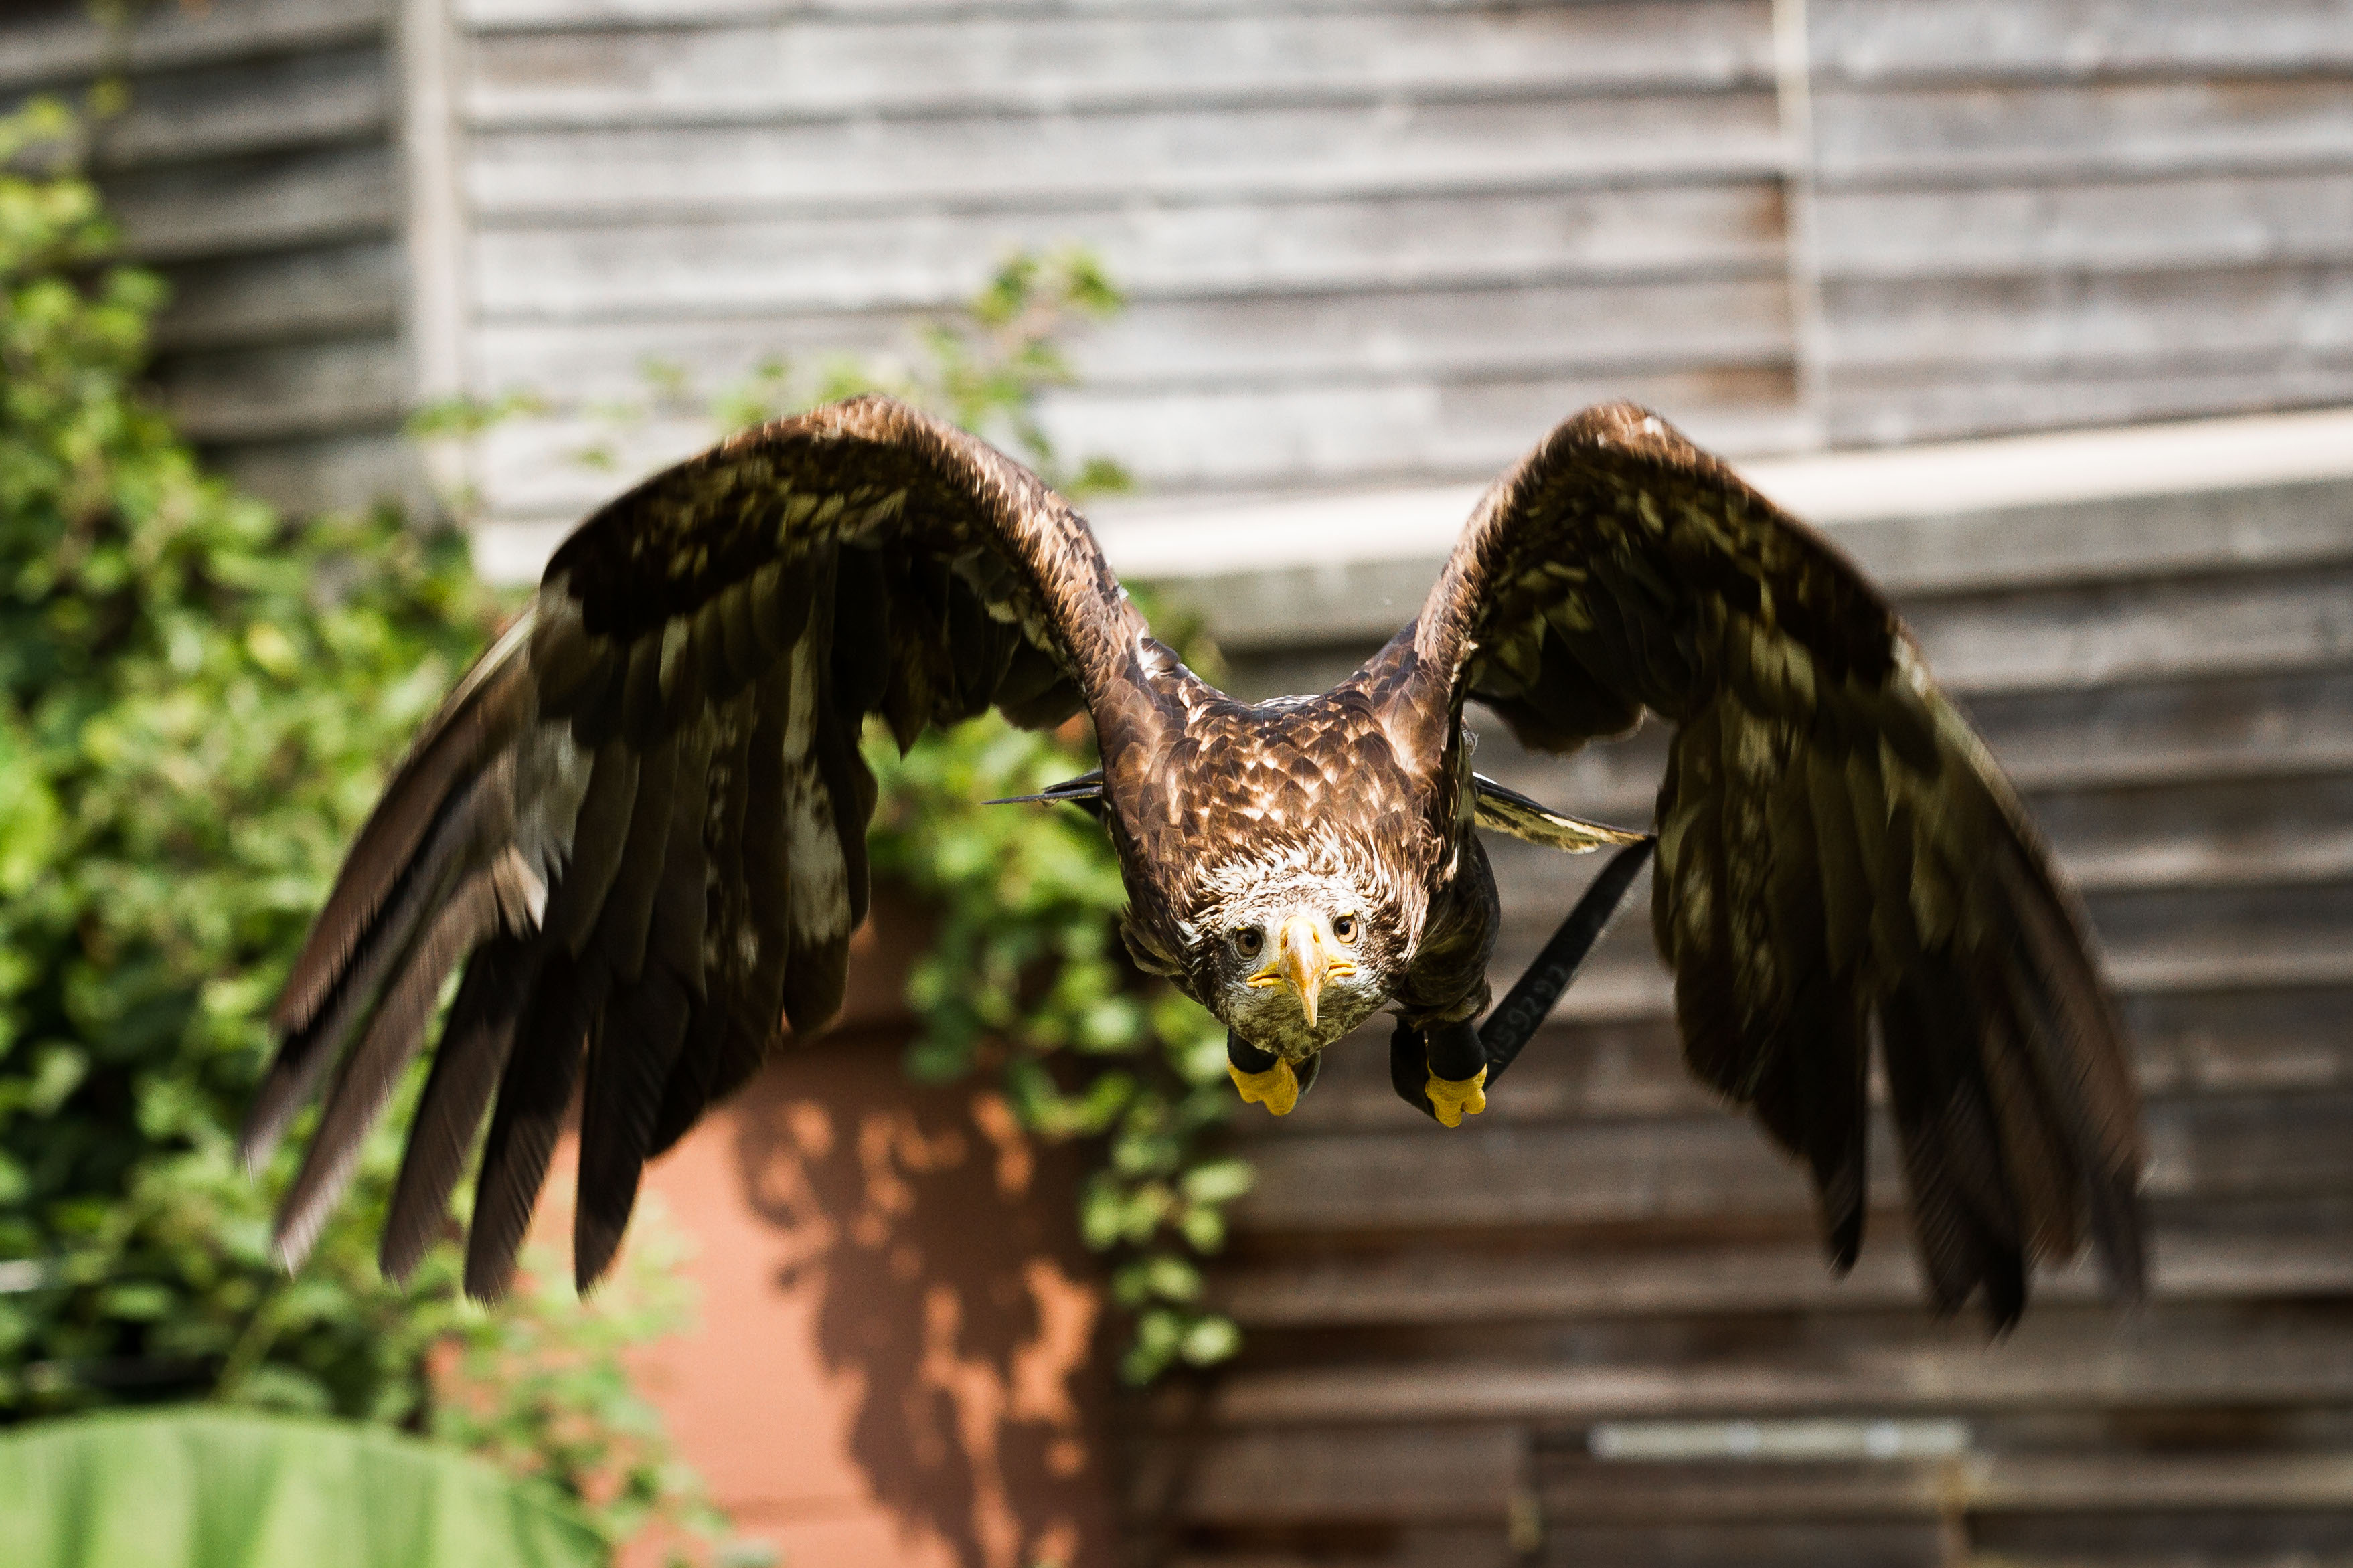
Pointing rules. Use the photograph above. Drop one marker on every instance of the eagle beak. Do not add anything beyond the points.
(1304, 961)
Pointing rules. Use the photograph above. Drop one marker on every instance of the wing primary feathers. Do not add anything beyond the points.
(630, 1063)
(466, 1068)
(370, 1072)
(534, 1091)
(600, 835)
(476, 717)
(306, 1053)
(639, 821)
(634, 1047)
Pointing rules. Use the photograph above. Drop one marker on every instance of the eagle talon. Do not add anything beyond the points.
(1452, 1099)
(1277, 1089)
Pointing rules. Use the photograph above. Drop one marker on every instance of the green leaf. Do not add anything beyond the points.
(198, 1488)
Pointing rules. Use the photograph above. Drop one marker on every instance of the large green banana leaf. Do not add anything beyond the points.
(195, 1487)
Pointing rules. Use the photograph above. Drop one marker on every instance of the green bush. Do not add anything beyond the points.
(197, 702)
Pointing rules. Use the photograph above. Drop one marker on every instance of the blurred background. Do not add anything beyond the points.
(2041, 308)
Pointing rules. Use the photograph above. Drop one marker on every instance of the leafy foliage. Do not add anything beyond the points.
(193, 1488)
(197, 701)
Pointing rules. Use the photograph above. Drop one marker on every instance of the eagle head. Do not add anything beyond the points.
(1292, 956)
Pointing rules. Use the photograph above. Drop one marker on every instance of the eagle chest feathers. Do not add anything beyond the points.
(636, 832)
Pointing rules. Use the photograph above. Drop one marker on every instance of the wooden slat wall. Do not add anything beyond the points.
(256, 169)
(2031, 213)
(1362, 241)
(1438, 1323)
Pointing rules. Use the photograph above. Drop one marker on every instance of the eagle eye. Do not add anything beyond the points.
(1248, 939)
(1345, 927)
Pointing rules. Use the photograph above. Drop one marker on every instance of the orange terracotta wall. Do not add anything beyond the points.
(897, 1357)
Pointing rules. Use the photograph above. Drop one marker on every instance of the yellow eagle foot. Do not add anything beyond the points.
(1452, 1099)
(1277, 1089)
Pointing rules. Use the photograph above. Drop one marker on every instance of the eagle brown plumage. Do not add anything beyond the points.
(639, 823)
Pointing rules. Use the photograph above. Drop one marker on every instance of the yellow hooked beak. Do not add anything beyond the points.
(1304, 958)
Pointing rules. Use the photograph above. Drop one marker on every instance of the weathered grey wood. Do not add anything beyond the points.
(2153, 321)
(2281, 1042)
(1718, 1169)
(1887, 408)
(1080, 62)
(1420, 1283)
(1885, 41)
(277, 103)
(1636, 1493)
(255, 207)
(657, 282)
(331, 473)
(1914, 558)
(1268, 152)
(1267, 334)
(1413, 1474)
(311, 389)
(1986, 133)
(2158, 223)
(1670, 1544)
(1404, 428)
(488, 17)
(56, 42)
(331, 291)
(2174, 1357)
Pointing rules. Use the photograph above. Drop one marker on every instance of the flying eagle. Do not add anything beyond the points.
(639, 823)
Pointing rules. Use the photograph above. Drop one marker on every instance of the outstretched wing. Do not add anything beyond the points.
(1835, 844)
(639, 821)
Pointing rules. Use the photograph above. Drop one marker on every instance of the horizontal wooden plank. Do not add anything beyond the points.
(56, 42)
(1981, 644)
(1718, 1169)
(689, 290)
(2114, 633)
(818, 66)
(1922, 327)
(331, 473)
(327, 97)
(309, 389)
(2057, 1359)
(2286, 725)
(1411, 1475)
(1669, 1544)
(2225, 1539)
(250, 206)
(489, 18)
(1158, 345)
(2222, 1257)
(1419, 1546)
(330, 291)
(1594, 1491)
(1267, 151)
(1890, 407)
(2157, 224)
(1875, 41)
(2288, 1041)
(1917, 135)
(1913, 558)
(1283, 435)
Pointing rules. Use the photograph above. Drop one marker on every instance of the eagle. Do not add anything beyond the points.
(635, 830)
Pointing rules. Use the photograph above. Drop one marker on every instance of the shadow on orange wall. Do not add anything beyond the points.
(897, 1359)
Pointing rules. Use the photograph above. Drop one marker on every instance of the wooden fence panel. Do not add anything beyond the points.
(256, 168)
(2029, 214)
(1360, 240)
